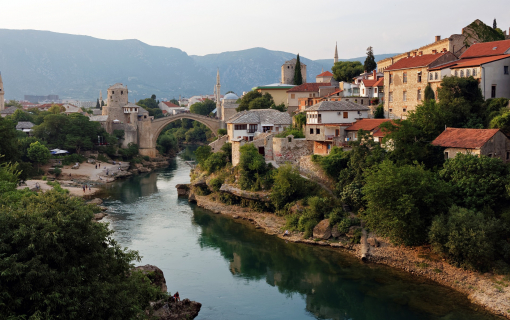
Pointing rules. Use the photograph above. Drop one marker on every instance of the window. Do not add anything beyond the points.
(363, 91)
(390, 97)
(430, 76)
(113, 92)
(240, 127)
(404, 96)
(489, 155)
(474, 72)
(310, 95)
(391, 78)
(293, 96)
(493, 92)
(446, 155)
(320, 118)
(253, 128)
(404, 77)
(390, 110)
(419, 76)
(404, 109)
(375, 90)
(121, 92)
(419, 95)
(318, 131)
(435, 76)
(507, 155)
(311, 130)
(361, 101)
(346, 114)
(468, 73)
(462, 73)
(505, 68)
(456, 73)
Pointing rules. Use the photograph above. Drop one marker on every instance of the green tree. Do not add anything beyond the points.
(494, 24)
(401, 210)
(379, 112)
(429, 93)
(166, 143)
(203, 108)
(8, 142)
(202, 153)
(67, 266)
(298, 77)
(102, 103)
(38, 153)
(501, 122)
(370, 63)
(56, 109)
(152, 106)
(20, 115)
(175, 101)
(288, 186)
(466, 238)
(476, 181)
(215, 162)
(254, 174)
(256, 100)
(347, 70)
(97, 104)
(13, 103)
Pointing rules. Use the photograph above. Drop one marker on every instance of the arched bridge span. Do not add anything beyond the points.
(149, 133)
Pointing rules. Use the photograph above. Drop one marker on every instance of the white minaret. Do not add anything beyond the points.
(2, 100)
(336, 53)
(218, 95)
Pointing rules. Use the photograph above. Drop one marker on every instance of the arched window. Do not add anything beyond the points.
(456, 73)
(474, 72)
(430, 76)
(461, 73)
(435, 76)
(468, 73)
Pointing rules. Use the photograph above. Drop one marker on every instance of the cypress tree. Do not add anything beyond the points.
(102, 103)
(97, 104)
(298, 77)
(429, 93)
(494, 24)
(370, 60)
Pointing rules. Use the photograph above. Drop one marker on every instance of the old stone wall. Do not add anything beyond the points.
(217, 144)
(290, 149)
(236, 152)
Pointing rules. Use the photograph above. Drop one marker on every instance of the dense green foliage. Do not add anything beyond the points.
(429, 93)
(347, 70)
(370, 63)
(38, 153)
(477, 181)
(288, 186)
(59, 264)
(213, 162)
(152, 106)
(467, 238)
(298, 77)
(182, 131)
(203, 108)
(254, 173)
(257, 100)
(297, 133)
(379, 112)
(482, 33)
(402, 201)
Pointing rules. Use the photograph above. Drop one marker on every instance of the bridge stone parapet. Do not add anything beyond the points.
(149, 131)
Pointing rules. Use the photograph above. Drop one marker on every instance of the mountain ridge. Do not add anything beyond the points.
(78, 66)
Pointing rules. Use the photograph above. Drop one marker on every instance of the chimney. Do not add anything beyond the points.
(434, 51)
(408, 54)
(414, 54)
(420, 53)
(438, 38)
(375, 74)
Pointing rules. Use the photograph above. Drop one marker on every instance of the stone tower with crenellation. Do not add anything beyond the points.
(288, 69)
(2, 101)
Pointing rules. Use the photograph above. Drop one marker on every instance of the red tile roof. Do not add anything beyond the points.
(170, 105)
(333, 93)
(368, 83)
(443, 66)
(463, 63)
(309, 87)
(325, 74)
(464, 138)
(486, 49)
(415, 62)
(379, 83)
(366, 124)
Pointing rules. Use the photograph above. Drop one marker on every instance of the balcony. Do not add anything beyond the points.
(329, 137)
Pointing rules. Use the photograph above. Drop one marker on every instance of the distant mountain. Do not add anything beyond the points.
(360, 59)
(74, 66)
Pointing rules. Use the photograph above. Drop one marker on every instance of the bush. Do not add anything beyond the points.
(288, 186)
(334, 162)
(216, 184)
(254, 173)
(73, 158)
(129, 152)
(215, 162)
(146, 158)
(466, 238)
(101, 157)
(297, 133)
(402, 201)
(202, 153)
(222, 132)
(57, 171)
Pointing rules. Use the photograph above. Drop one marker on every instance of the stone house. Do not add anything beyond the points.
(326, 123)
(369, 125)
(25, 126)
(170, 108)
(247, 125)
(226, 109)
(324, 77)
(405, 82)
(306, 90)
(8, 111)
(487, 142)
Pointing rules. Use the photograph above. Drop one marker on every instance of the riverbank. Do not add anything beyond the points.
(491, 292)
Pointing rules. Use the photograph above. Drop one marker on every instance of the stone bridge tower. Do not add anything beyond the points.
(2, 101)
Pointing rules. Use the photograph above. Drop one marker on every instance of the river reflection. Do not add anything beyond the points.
(237, 272)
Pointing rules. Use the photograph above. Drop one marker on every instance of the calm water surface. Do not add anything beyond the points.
(237, 272)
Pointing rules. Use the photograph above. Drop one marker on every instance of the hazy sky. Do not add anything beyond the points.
(310, 28)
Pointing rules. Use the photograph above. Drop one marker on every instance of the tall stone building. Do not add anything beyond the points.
(2, 98)
(288, 69)
(335, 59)
(117, 97)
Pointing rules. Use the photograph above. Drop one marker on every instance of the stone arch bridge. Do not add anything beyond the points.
(149, 131)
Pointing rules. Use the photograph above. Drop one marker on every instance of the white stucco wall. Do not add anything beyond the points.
(334, 116)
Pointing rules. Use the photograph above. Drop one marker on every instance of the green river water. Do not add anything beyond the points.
(237, 272)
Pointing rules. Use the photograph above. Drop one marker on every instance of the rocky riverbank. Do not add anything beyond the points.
(489, 291)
